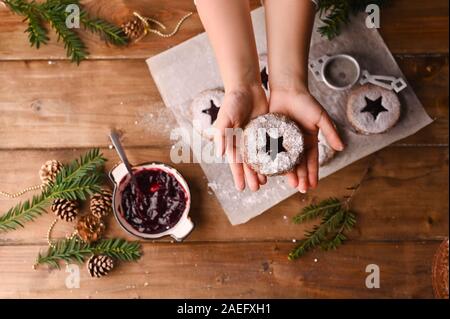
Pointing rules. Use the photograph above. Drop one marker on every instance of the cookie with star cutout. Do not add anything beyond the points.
(373, 110)
(205, 108)
(273, 144)
(264, 71)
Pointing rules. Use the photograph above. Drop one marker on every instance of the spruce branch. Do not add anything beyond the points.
(109, 32)
(329, 233)
(336, 13)
(313, 211)
(75, 48)
(80, 178)
(54, 13)
(75, 250)
(37, 33)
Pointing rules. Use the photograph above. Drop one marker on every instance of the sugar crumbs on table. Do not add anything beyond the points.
(110, 147)
(285, 217)
(315, 260)
(145, 284)
(294, 240)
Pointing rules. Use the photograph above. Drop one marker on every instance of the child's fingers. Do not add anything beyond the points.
(251, 178)
(329, 131)
(312, 164)
(220, 125)
(262, 179)
(236, 168)
(302, 175)
(292, 179)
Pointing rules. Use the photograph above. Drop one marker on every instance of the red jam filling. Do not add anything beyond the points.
(154, 203)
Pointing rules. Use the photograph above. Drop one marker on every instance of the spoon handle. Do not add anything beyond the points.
(118, 146)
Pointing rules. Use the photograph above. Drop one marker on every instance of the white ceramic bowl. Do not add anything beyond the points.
(119, 176)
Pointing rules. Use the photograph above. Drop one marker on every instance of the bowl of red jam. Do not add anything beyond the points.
(152, 204)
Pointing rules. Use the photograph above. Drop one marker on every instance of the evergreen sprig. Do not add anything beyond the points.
(74, 181)
(329, 233)
(336, 13)
(54, 13)
(75, 250)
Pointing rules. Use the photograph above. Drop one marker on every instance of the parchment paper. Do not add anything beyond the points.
(185, 70)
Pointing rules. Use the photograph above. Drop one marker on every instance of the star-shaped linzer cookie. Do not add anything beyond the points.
(374, 107)
(274, 146)
(265, 78)
(212, 111)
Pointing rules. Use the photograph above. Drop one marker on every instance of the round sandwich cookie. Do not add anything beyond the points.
(373, 110)
(326, 153)
(273, 144)
(205, 108)
(264, 70)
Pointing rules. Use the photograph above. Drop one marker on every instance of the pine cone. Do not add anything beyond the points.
(134, 29)
(49, 170)
(100, 265)
(90, 228)
(101, 203)
(65, 209)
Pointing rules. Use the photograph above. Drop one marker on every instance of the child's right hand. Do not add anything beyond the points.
(240, 106)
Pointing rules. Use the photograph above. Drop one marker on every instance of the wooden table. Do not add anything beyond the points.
(51, 108)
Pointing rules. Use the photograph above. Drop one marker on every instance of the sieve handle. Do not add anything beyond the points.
(387, 82)
(316, 67)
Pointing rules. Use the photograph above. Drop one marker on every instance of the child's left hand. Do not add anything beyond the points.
(303, 108)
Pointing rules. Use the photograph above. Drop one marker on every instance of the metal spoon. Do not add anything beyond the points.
(114, 136)
(121, 152)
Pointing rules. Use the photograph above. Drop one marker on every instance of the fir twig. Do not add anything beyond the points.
(74, 181)
(107, 31)
(336, 13)
(315, 210)
(54, 12)
(329, 234)
(75, 250)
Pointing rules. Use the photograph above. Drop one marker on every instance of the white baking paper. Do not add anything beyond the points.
(189, 68)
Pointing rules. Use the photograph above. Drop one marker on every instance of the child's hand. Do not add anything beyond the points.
(239, 107)
(303, 108)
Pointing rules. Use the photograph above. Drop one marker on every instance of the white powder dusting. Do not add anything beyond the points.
(201, 120)
(275, 126)
(364, 121)
(161, 121)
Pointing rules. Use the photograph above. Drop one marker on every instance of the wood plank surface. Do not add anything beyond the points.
(240, 270)
(402, 20)
(402, 189)
(52, 109)
(83, 103)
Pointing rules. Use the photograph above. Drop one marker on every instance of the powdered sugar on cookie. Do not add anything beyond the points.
(373, 110)
(205, 108)
(273, 144)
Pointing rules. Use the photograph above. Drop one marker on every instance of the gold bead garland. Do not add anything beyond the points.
(47, 174)
(25, 190)
(130, 27)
